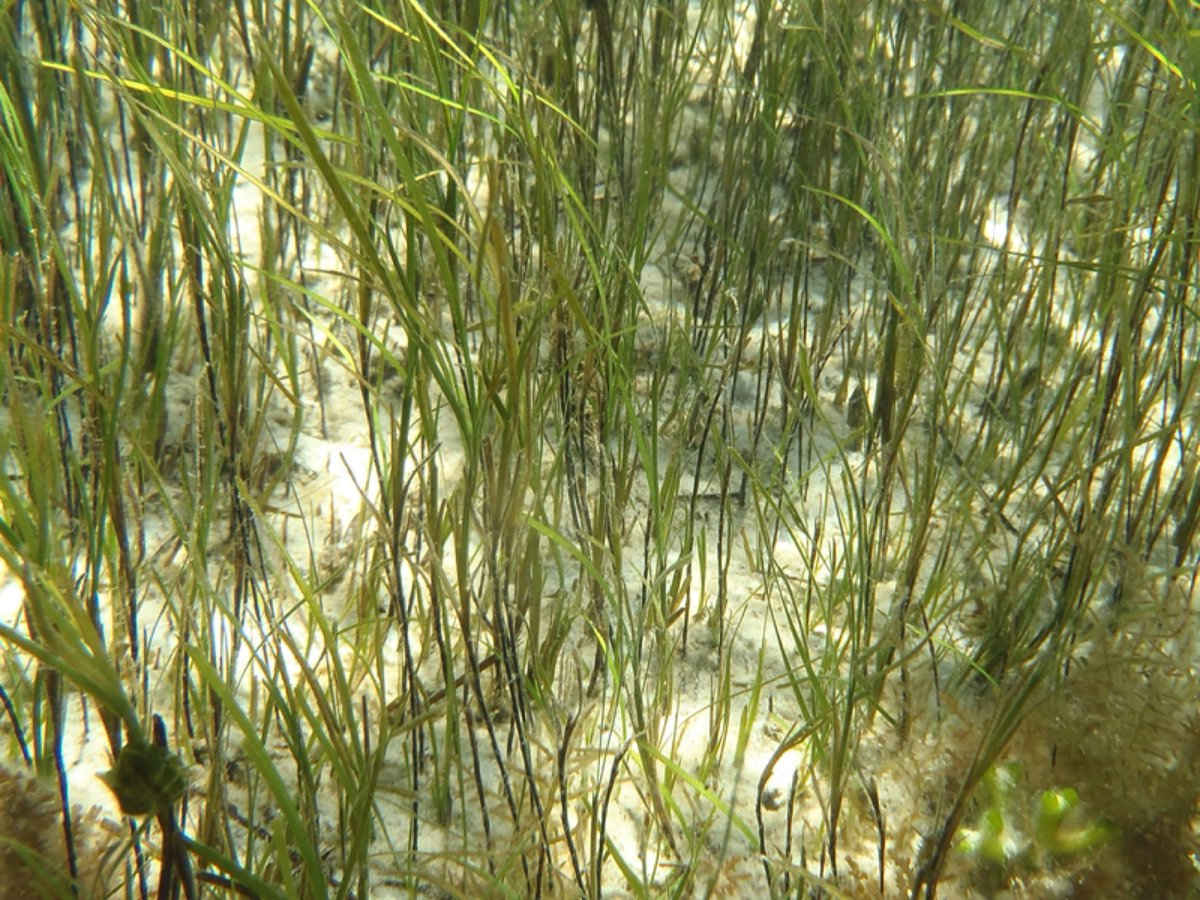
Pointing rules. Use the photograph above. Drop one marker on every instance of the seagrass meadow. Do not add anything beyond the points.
(599, 448)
